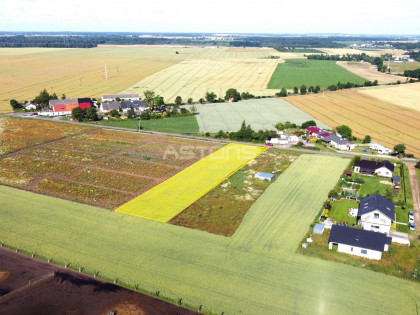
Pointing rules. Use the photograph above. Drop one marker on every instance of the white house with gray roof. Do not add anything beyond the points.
(376, 213)
(122, 97)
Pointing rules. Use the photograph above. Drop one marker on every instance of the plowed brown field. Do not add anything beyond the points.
(386, 123)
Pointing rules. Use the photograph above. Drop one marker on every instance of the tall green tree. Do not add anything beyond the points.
(158, 100)
(148, 97)
(210, 97)
(295, 90)
(131, 113)
(344, 131)
(232, 94)
(399, 148)
(178, 100)
(15, 104)
(367, 139)
(42, 99)
(303, 89)
(190, 100)
(91, 114)
(78, 113)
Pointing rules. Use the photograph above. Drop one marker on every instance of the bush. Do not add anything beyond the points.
(145, 115)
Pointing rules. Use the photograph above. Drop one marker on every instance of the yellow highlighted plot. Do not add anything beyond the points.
(169, 198)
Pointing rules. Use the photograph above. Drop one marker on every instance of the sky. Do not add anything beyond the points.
(215, 16)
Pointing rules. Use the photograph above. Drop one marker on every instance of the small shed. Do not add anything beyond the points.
(396, 180)
(348, 173)
(264, 176)
(319, 228)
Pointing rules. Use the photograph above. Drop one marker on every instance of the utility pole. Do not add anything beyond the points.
(106, 73)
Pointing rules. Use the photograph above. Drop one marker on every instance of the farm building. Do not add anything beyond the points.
(376, 213)
(125, 106)
(122, 97)
(384, 168)
(264, 176)
(358, 242)
(379, 148)
(64, 107)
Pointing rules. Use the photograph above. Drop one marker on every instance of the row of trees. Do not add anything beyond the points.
(84, 114)
(377, 61)
(42, 100)
(412, 73)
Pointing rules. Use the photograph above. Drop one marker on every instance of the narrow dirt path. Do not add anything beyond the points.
(416, 195)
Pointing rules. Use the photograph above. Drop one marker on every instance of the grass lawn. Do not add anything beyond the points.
(185, 125)
(340, 211)
(372, 185)
(402, 228)
(402, 215)
(295, 72)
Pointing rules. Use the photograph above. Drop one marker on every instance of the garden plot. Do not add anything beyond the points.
(166, 200)
(261, 114)
(98, 167)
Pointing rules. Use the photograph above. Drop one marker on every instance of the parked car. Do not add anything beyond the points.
(411, 217)
(412, 227)
(269, 144)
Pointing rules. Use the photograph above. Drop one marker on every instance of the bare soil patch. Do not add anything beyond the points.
(37, 287)
(368, 71)
(4, 275)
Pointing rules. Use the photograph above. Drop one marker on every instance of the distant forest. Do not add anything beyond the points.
(89, 40)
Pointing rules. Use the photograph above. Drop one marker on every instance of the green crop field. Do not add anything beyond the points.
(255, 271)
(184, 125)
(259, 113)
(295, 72)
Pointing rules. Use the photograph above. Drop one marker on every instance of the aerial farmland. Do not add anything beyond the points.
(205, 205)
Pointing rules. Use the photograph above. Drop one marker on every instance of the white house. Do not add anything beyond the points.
(30, 106)
(383, 169)
(376, 213)
(122, 97)
(344, 144)
(358, 242)
(264, 176)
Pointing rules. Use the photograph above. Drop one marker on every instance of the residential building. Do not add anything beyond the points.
(122, 97)
(125, 106)
(383, 168)
(358, 242)
(376, 213)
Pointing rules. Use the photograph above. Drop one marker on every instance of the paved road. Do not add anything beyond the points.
(340, 154)
(416, 195)
(179, 135)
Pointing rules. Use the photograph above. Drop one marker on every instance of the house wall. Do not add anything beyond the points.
(382, 224)
(357, 169)
(384, 172)
(353, 250)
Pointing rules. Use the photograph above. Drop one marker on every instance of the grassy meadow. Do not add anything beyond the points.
(386, 123)
(261, 114)
(295, 72)
(183, 125)
(246, 273)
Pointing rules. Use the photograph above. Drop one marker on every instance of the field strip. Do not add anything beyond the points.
(279, 219)
(169, 198)
(203, 268)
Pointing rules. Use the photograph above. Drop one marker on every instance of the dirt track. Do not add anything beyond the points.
(36, 287)
(416, 195)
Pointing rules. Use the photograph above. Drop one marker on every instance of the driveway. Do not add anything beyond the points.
(416, 196)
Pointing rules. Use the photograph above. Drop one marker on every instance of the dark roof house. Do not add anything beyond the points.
(359, 238)
(371, 166)
(377, 202)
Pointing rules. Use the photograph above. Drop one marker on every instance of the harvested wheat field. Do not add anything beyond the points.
(369, 72)
(406, 95)
(385, 122)
(74, 72)
(370, 52)
(194, 77)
